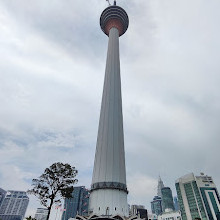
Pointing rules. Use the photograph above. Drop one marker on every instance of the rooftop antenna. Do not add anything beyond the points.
(108, 2)
(114, 2)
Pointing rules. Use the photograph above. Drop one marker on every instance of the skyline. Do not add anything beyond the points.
(51, 88)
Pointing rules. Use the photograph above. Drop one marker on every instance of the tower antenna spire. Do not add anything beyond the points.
(114, 2)
(108, 2)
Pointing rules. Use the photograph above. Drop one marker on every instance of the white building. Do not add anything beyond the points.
(172, 215)
(41, 214)
(14, 205)
(152, 217)
(198, 197)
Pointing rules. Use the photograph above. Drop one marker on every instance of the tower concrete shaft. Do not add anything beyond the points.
(108, 189)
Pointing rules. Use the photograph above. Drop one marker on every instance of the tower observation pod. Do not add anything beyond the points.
(109, 190)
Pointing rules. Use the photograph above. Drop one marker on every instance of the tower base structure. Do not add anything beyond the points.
(102, 201)
(102, 217)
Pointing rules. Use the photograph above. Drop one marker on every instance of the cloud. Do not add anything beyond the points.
(142, 187)
(52, 71)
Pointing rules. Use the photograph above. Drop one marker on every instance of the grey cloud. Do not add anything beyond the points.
(52, 70)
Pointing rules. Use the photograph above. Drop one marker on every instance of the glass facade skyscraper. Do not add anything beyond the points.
(78, 204)
(2, 195)
(159, 187)
(176, 203)
(198, 197)
(156, 205)
(14, 205)
(167, 199)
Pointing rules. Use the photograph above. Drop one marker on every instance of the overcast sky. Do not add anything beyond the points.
(52, 64)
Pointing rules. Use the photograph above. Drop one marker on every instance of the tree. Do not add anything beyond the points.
(55, 183)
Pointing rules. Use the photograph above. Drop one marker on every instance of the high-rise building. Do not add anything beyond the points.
(167, 199)
(159, 187)
(142, 214)
(156, 205)
(109, 190)
(41, 214)
(198, 197)
(78, 204)
(14, 205)
(2, 195)
(176, 204)
(152, 217)
(134, 209)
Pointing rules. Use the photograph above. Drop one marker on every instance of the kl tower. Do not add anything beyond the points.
(109, 190)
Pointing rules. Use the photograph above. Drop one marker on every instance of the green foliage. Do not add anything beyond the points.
(56, 182)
